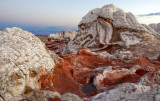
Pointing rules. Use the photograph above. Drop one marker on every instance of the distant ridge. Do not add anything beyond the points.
(41, 30)
(150, 14)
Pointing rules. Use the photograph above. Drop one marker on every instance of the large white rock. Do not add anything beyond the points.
(91, 16)
(69, 34)
(132, 21)
(107, 11)
(156, 27)
(119, 19)
(105, 32)
(150, 29)
(128, 92)
(66, 34)
(22, 56)
(71, 97)
(56, 36)
(106, 27)
(129, 38)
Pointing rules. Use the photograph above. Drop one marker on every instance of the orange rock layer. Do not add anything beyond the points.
(75, 73)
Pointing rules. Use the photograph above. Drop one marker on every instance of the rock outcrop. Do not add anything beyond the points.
(121, 62)
(88, 73)
(128, 92)
(112, 58)
(56, 42)
(156, 27)
(106, 27)
(22, 58)
(70, 35)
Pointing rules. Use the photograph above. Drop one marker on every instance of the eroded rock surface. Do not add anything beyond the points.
(120, 60)
(109, 27)
(88, 73)
(22, 56)
(156, 27)
(111, 58)
(56, 42)
(128, 92)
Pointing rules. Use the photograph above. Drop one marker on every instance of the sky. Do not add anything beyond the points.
(66, 12)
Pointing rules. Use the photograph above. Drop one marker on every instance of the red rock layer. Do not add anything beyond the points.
(120, 77)
(54, 99)
(56, 45)
(75, 73)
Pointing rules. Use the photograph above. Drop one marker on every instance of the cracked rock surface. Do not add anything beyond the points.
(105, 28)
(22, 56)
(112, 58)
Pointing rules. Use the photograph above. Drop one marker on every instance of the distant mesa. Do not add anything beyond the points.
(40, 30)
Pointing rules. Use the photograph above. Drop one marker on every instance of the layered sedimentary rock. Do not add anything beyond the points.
(156, 27)
(23, 61)
(121, 62)
(22, 57)
(110, 27)
(115, 58)
(56, 42)
(88, 73)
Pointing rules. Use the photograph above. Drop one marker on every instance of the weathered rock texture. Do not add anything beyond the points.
(56, 42)
(128, 92)
(88, 73)
(115, 59)
(122, 61)
(22, 57)
(23, 61)
(156, 27)
(105, 28)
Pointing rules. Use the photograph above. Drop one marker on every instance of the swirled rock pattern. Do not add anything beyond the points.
(56, 42)
(121, 61)
(88, 73)
(112, 58)
(106, 27)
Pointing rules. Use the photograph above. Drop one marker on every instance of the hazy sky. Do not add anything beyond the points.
(64, 12)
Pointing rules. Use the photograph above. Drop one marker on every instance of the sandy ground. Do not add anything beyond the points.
(43, 38)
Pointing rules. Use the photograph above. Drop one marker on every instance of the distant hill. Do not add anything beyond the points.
(150, 14)
(41, 30)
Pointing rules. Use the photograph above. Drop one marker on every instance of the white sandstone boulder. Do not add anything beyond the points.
(22, 57)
